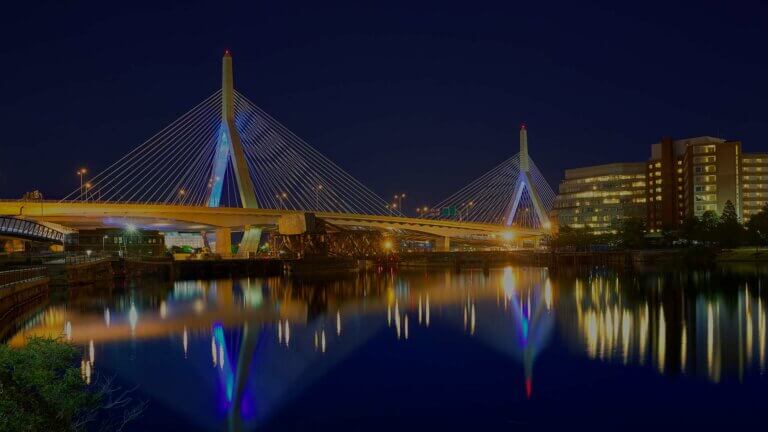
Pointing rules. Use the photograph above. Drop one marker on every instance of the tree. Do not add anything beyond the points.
(709, 222)
(691, 230)
(757, 227)
(632, 233)
(729, 231)
(41, 389)
(577, 238)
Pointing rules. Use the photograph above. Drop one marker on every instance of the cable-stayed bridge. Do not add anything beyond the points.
(226, 165)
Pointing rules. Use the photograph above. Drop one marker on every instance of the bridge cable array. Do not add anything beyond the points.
(175, 166)
(490, 198)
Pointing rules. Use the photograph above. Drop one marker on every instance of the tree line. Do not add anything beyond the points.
(724, 231)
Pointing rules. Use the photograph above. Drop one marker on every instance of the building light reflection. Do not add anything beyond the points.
(287, 333)
(322, 341)
(419, 309)
(548, 294)
(472, 321)
(661, 340)
(133, 317)
(405, 322)
(338, 323)
(214, 351)
(185, 341)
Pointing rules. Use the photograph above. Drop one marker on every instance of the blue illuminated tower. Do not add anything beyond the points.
(525, 182)
(229, 148)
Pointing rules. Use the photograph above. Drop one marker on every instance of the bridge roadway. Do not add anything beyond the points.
(164, 217)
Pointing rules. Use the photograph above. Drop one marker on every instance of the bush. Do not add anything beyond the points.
(41, 389)
(41, 386)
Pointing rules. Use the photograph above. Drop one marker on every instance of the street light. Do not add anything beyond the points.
(280, 197)
(88, 187)
(399, 199)
(81, 172)
(182, 193)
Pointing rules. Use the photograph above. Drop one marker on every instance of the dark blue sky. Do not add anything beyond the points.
(414, 96)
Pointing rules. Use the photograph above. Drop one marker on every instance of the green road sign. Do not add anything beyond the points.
(448, 212)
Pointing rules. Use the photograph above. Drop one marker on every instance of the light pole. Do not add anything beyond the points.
(103, 244)
(280, 197)
(399, 200)
(182, 193)
(81, 172)
(87, 189)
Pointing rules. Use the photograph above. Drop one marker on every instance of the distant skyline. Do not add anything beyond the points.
(414, 97)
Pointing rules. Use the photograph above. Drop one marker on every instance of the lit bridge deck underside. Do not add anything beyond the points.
(163, 217)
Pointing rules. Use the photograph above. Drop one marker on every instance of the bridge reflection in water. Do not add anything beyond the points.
(237, 352)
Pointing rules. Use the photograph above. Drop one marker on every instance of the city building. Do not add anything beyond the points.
(598, 197)
(689, 177)
(682, 178)
(754, 183)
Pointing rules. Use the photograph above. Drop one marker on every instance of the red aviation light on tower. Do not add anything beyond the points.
(227, 52)
(522, 125)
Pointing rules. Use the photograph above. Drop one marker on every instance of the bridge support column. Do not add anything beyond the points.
(250, 241)
(223, 241)
(443, 244)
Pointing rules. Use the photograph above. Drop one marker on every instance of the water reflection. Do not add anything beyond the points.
(249, 346)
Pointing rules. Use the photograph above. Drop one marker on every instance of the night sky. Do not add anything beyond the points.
(417, 96)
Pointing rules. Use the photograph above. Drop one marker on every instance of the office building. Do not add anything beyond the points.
(598, 197)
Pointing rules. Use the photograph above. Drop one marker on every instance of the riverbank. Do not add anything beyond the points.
(745, 254)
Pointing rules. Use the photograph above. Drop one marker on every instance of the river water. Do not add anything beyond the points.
(505, 349)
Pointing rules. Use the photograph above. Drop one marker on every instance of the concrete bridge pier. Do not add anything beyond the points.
(443, 244)
(223, 241)
(251, 240)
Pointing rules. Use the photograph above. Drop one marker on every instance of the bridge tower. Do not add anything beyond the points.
(229, 146)
(230, 153)
(525, 182)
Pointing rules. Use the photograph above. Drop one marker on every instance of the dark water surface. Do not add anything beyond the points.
(516, 348)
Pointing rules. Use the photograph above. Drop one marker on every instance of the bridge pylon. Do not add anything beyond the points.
(229, 150)
(526, 183)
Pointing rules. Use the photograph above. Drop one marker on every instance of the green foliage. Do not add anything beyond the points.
(691, 230)
(757, 228)
(725, 231)
(42, 389)
(709, 222)
(729, 232)
(579, 238)
(632, 233)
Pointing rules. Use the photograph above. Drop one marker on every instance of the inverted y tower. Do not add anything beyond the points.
(524, 181)
(229, 147)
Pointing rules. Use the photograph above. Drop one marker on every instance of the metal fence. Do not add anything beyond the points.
(20, 275)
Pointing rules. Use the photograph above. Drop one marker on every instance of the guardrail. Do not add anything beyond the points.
(21, 275)
(74, 258)
(25, 228)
